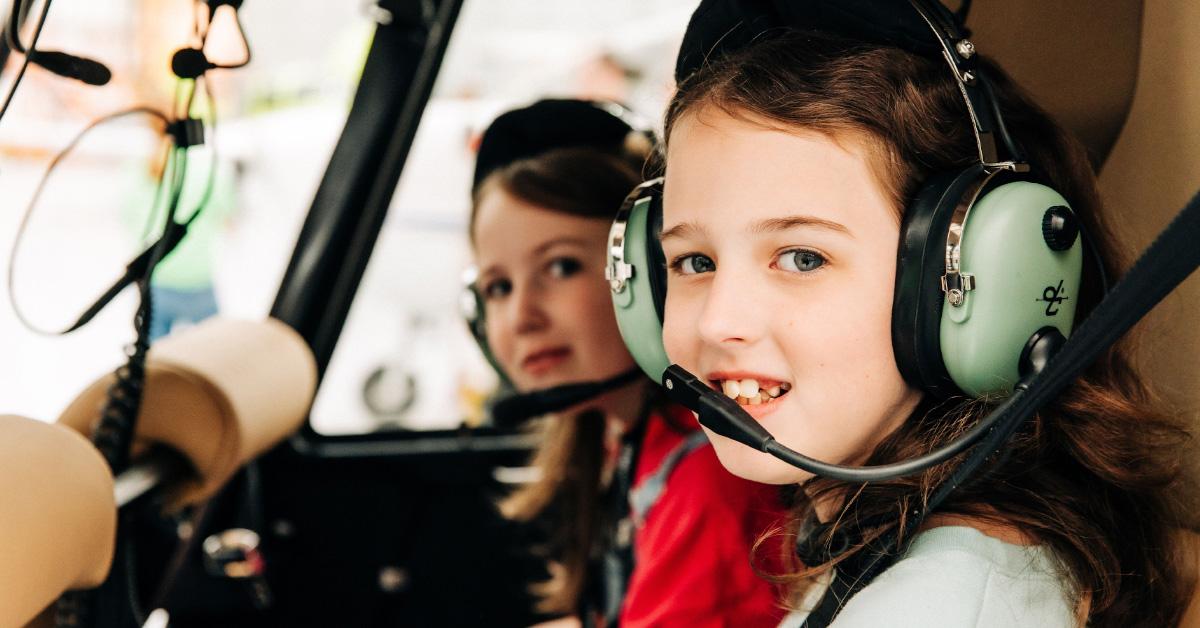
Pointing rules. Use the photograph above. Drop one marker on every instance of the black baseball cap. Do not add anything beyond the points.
(548, 125)
(719, 27)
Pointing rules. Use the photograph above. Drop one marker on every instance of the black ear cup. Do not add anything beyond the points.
(654, 252)
(920, 264)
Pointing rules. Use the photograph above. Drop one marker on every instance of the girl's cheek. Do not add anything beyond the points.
(674, 330)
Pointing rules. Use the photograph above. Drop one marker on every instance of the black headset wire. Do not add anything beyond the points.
(174, 231)
(113, 436)
(30, 208)
(11, 36)
(1015, 151)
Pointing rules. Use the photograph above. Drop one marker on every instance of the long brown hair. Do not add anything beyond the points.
(1098, 476)
(589, 183)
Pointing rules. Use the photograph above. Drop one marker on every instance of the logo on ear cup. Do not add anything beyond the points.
(1053, 296)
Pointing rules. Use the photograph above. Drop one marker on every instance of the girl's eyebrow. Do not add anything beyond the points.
(571, 240)
(682, 230)
(541, 249)
(791, 222)
(770, 225)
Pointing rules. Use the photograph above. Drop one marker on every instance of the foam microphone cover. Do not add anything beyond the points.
(190, 63)
(71, 66)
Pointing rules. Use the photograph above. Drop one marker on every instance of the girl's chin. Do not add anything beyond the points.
(753, 465)
(561, 377)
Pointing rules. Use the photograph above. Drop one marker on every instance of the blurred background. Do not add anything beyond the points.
(404, 360)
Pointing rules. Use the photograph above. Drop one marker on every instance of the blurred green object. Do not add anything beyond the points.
(190, 266)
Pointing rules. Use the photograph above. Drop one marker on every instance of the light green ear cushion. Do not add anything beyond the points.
(633, 302)
(1021, 285)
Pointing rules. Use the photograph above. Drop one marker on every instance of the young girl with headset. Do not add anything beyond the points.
(648, 528)
(804, 142)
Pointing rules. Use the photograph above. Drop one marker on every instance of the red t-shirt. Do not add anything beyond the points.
(692, 554)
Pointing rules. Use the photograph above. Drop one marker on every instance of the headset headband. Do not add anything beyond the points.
(719, 27)
(959, 52)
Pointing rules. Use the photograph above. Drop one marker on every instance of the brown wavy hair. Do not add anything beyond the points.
(1098, 476)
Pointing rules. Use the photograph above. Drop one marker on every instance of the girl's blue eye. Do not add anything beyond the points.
(694, 264)
(496, 289)
(563, 267)
(801, 261)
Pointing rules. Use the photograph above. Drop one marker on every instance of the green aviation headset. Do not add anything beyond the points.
(989, 264)
(987, 257)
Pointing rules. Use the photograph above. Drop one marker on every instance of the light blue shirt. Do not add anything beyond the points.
(958, 577)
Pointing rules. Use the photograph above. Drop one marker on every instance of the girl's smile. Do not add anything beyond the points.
(543, 361)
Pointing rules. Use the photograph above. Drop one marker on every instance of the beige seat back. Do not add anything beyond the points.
(1078, 58)
(58, 517)
(1123, 78)
(1153, 170)
(220, 393)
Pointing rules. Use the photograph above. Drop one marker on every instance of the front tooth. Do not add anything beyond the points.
(774, 391)
(731, 388)
(748, 387)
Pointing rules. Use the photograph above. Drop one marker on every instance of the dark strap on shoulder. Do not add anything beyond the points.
(644, 496)
(629, 506)
(611, 570)
(848, 580)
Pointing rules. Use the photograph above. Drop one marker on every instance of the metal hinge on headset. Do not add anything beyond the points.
(617, 271)
(956, 285)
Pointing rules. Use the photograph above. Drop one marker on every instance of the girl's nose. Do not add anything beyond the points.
(529, 314)
(731, 314)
